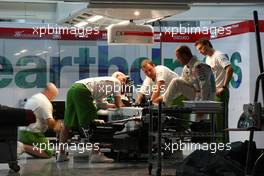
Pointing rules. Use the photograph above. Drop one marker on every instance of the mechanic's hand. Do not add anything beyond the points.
(98, 121)
(137, 103)
(219, 91)
(58, 126)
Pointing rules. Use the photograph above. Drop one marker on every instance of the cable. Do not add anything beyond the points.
(160, 43)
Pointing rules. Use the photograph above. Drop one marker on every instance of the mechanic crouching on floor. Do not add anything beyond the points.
(196, 83)
(80, 108)
(32, 139)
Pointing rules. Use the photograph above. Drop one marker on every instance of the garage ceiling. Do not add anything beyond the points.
(72, 12)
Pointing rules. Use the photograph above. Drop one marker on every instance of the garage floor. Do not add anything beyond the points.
(39, 167)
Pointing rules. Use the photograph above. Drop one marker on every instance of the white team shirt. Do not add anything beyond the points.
(162, 74)
(102, 87)
(218, 61)
(42, 109)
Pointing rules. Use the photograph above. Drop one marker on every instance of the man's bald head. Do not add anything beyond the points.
(120, 76)
(51, 91)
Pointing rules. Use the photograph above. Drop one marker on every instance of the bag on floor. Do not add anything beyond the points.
(222, 163)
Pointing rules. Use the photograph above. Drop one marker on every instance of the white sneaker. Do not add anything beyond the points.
(20, 148)
(100, 158)
(61, 157)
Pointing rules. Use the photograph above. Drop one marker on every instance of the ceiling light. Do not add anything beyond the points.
(95, 18)
(123, 22)
(81, 24)
(23, 51)
(136, 13)
(153, 20)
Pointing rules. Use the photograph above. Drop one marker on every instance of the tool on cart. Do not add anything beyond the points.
(250, 120)
(253, 118)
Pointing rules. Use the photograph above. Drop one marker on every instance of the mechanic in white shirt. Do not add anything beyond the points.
(32, 138)
(157, 80)
(80, 108)
(223, 73)
(196, 83)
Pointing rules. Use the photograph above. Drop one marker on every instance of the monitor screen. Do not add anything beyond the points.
(58, 109)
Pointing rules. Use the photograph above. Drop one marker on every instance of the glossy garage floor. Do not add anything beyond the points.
(48, 167)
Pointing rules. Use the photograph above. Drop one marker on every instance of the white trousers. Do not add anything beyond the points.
(176, 88)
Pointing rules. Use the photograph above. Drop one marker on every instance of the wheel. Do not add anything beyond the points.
(14, 166)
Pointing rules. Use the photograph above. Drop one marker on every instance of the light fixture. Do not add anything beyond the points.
(130, 34)
(153, 20)
(95, 18)
(136, 13)
(38, 54)
(23, 51)
(81, 24)
(123, 22)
